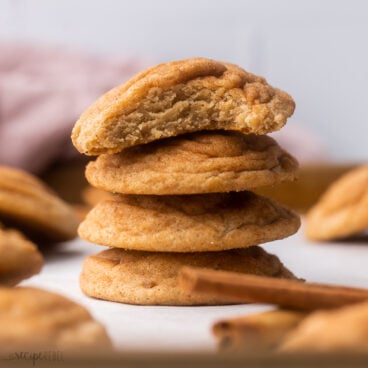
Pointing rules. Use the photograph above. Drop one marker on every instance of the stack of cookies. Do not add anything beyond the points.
(180, 146)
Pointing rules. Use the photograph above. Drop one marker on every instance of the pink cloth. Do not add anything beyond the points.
(42, 93)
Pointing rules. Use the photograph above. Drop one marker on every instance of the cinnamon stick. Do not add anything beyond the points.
(258, 289)
(260, 332)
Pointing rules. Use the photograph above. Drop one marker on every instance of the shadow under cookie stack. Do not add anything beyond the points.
(181, 145)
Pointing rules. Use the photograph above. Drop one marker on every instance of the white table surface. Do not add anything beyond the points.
(184, 329)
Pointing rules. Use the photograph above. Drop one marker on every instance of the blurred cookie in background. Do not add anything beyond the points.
(92, 196)
(343, 330)
(35, 319)
(256, 333)
(342, 211)
(81, 211)
(312, 181)
(20, 258)
(26, 203)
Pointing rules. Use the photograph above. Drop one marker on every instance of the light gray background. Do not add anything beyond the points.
(315, 50)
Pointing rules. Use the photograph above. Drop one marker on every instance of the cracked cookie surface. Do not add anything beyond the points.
(19, 259)
(151, 278)
(28, 204)
(342, 211)
(193, 223)
(202, 162)
(181, 97)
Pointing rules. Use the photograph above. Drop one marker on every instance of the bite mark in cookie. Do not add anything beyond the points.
(181, 97)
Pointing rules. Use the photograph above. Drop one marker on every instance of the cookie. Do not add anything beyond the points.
(344, 330)
(92, 196)
(204, 162)
(28, 204)
(181, 97)
(19, 259)
(196, 223)
(342, 210)
(37, 319)
(151, 278)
